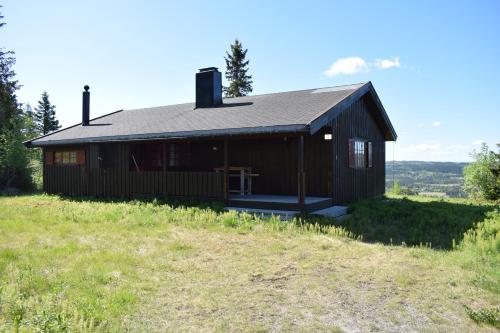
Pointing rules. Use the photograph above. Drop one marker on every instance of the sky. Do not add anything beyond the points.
(434, 64)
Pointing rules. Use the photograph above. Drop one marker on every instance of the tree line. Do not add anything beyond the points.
(17, 124)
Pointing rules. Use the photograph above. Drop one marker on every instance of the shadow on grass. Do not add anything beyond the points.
(436, 224)
(174, 202)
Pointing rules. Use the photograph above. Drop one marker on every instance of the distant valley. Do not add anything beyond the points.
(428, 178)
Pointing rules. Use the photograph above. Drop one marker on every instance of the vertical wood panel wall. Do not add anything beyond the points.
(275, 161)
(351, 184)
(94, 180)
(318, 164)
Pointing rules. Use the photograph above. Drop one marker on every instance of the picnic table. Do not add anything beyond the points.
(245, 175)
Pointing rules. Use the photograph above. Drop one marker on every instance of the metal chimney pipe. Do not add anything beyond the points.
(86, 106)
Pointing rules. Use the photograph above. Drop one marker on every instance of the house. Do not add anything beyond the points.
(301, 150)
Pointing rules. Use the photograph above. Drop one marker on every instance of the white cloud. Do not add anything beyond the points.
(478, 142)
(436, 123)
(387, 63)
(349, 65)
(355, 65)
(420, 124)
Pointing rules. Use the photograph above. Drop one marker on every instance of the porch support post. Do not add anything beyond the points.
(44, 162)
(301, 179)
(226, 170)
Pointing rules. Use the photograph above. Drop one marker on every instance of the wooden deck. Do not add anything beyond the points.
(279, 202)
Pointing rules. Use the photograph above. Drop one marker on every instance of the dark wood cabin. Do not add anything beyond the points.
(300, 150)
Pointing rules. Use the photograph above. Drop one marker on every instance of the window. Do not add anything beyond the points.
(72, 157)
(360, 153)
(173, 155)
(179, 155)
(146, 157)
(65, 157)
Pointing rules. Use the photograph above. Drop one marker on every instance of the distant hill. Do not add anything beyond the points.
(437, 178)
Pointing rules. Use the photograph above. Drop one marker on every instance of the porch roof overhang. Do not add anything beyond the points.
(285, 129)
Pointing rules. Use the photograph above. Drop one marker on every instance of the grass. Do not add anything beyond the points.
(414, 220)
(90, 266)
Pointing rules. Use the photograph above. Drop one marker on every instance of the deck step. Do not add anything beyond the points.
(333, 211)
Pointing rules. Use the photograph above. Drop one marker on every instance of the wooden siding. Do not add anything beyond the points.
(65, 179)
(351, 184)
(318, 164)
(276, 162)
(94, 180)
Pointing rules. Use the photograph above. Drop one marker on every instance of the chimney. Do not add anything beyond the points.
(208, 87)
(86, 106)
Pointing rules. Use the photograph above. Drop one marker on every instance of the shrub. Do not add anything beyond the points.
(485, 237)
(482, 177)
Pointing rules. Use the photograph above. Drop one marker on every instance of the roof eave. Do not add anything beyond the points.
(296, 128)
(29, 143)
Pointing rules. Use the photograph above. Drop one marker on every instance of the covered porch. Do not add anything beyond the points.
(285, 172)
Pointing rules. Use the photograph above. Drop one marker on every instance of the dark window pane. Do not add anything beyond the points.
(146, 157)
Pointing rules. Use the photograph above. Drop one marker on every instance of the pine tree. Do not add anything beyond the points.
(240, 84)
(45, 116)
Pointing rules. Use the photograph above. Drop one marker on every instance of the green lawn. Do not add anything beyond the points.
(85, 266)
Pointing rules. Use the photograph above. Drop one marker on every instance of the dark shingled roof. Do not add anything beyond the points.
(295, 111)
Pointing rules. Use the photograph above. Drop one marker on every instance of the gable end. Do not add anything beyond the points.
(368, 93)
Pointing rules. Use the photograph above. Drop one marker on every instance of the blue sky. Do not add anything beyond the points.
(434, 65)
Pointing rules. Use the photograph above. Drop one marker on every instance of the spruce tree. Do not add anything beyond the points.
(45, 116)
(240, 83)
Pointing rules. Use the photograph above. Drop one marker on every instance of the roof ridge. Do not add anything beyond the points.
(267, 94)
(300, 90)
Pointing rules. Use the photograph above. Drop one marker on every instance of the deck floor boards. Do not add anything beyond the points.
(278, 202)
